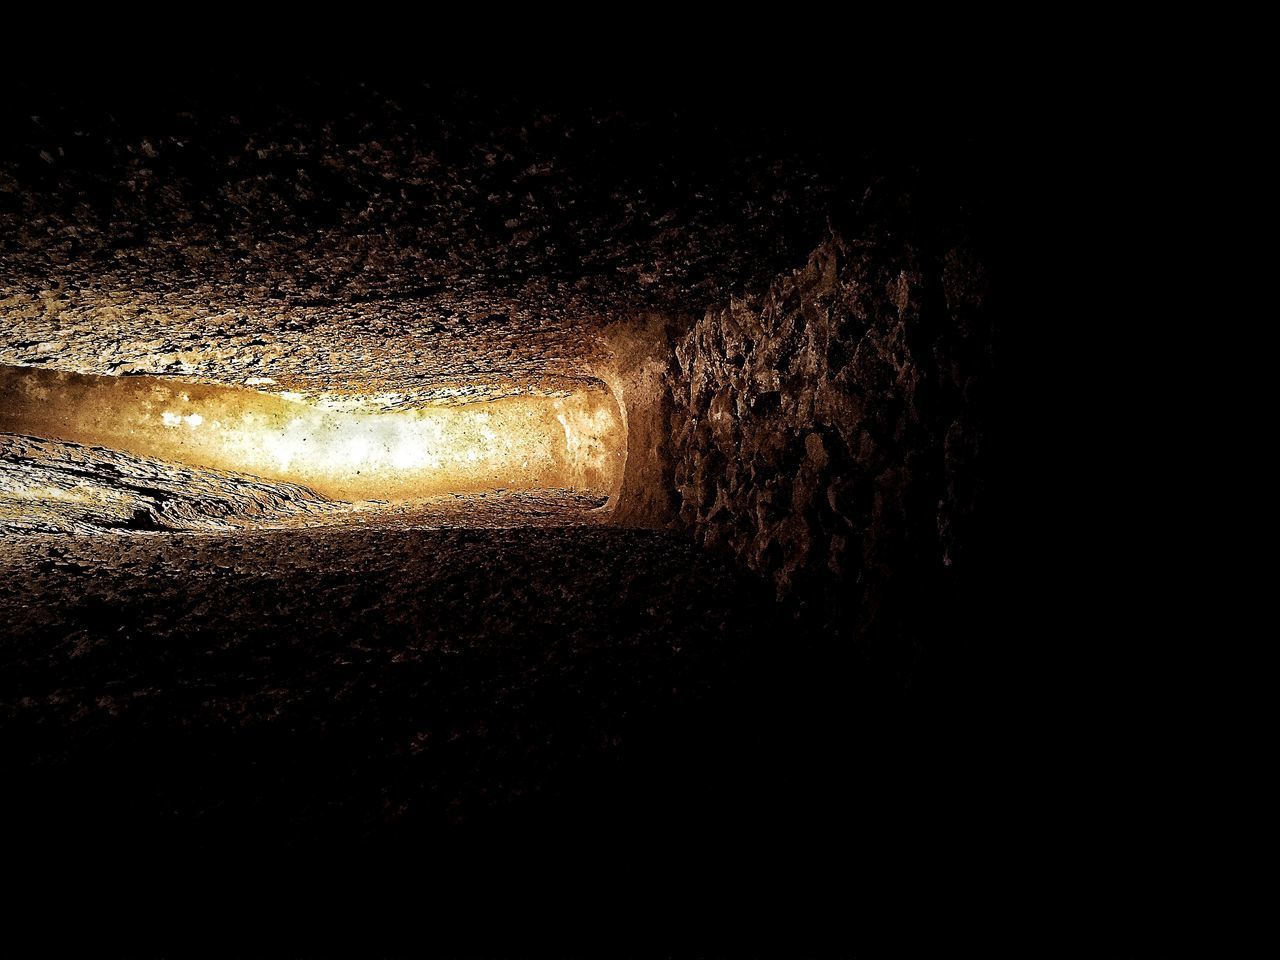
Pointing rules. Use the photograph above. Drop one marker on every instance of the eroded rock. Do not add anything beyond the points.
(828, 433)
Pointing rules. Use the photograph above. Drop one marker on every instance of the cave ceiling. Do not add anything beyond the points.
(407, 243)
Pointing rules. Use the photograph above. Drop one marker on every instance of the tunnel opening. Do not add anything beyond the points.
(345, 449)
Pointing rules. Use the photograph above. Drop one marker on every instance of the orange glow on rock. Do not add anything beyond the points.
(572, 441)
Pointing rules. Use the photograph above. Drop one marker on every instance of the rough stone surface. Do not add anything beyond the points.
(50, 486)
(829, 433)
(635, 365)
(408, 241)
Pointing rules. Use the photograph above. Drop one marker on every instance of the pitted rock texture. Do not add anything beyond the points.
(403, 241)
(51, 486)
(829, 433)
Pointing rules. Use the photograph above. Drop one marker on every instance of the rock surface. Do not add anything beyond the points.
(51, 486)
(829, 433)
(406, 241)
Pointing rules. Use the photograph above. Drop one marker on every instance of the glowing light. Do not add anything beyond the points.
(352, 452)
(171, 419)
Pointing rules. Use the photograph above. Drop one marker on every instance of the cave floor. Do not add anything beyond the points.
(363, 683)
(512, 716)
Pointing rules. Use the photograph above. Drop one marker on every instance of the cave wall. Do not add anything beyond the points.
(571, 441)
(826, 433)
(634, 361)
(53, 486)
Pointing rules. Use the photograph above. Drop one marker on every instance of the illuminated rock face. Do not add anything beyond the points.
(47, 486)
(573, 441)
(395, 355)
(51, 486)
